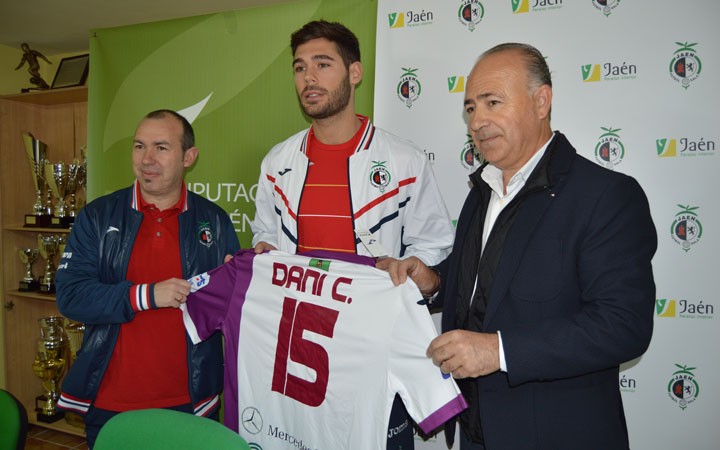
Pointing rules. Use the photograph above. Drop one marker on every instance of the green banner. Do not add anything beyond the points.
(231, 75)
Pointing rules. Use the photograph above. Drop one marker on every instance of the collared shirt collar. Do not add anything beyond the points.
(140, 204)
(494, 177)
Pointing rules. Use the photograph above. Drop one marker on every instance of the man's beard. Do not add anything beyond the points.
(337, 101)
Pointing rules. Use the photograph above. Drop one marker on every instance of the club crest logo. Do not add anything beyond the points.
(686, 229)
(685, 66)
(409, 88)
(379, 175)
(609, 151)
(683, 387)
(205, 235)
(469, 156)
(606, 6)
(471, 13)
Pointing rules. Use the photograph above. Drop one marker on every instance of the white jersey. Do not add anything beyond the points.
(316, 350)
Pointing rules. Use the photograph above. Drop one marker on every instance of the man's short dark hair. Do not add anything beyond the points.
(335, 32)
(188, 136)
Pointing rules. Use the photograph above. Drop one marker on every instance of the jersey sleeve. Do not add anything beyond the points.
(211, 294)
(431, 397)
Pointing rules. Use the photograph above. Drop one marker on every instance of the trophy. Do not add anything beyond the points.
(56, 176)
(74, 331)
(36, 151)
(49, 246)
(76, 180)
(28, 256)
(49, 366)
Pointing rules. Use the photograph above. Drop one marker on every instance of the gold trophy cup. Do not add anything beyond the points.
(36, 151)
(49, 366)
(28, 256)
(49, 246)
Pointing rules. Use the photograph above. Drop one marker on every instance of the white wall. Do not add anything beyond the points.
(646, 107)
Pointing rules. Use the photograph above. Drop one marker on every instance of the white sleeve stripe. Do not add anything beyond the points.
(189, 325)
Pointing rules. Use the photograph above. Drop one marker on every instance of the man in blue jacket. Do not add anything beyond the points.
(549, 286)
(123, 274)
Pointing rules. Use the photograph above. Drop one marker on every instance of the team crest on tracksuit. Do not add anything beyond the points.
(379, 175)
(205, 235)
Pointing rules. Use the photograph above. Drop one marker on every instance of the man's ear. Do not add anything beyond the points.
(190, 156)
(355, 73)
(543, 101)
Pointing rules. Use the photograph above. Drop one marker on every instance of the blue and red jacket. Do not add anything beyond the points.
(92, 289)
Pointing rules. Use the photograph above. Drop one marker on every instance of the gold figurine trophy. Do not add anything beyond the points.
(28, 256)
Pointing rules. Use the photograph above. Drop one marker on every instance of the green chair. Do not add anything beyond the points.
(13, 422)
(164, 429)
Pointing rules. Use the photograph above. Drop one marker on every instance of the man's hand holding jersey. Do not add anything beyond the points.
(171, 293)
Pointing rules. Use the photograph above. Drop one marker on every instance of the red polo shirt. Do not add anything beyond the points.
(148, 368)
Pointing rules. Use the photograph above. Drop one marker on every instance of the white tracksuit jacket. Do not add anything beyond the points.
(392, 188)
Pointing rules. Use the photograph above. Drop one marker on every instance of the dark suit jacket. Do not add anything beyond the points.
(573, 298)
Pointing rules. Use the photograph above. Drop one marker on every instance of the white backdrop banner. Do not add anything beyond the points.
(635, 90)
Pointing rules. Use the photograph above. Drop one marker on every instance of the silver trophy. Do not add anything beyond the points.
(56, 176)
(36, 151)
(28, 256)
(76, 181)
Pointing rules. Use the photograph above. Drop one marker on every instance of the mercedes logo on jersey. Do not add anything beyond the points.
(251, 420)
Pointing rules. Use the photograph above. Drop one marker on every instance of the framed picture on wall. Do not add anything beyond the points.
(72, 71)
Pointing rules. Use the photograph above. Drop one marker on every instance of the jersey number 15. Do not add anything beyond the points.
(296, 318)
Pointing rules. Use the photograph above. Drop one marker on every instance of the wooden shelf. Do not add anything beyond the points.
(51, 96)
(33, 294)
(37, 229)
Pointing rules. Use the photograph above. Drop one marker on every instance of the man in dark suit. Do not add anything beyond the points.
(549, 287)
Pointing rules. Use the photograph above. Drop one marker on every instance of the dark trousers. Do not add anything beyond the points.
(400, 427)
(467, 444)
(96, 418)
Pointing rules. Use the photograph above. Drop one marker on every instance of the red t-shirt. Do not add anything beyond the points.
(325, 214)
(148, 368)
